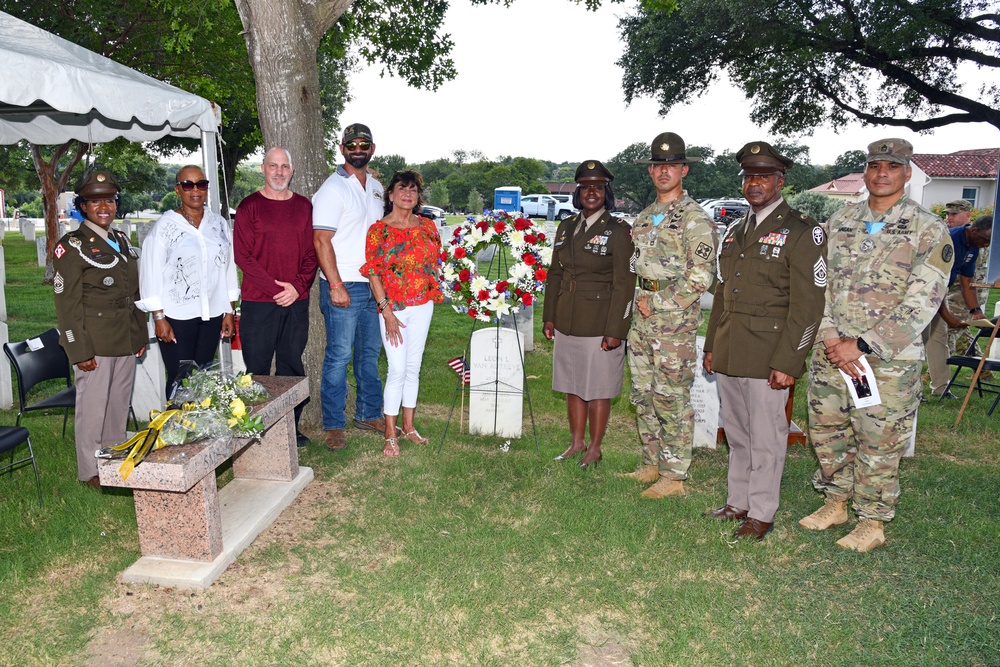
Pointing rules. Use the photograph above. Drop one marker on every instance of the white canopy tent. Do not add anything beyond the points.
(52, 90)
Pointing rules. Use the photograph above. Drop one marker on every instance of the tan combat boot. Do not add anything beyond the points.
(665, 487)
(645, 474)
(867, 535)
(832, 513)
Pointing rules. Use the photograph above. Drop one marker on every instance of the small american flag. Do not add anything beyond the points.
(459, 366)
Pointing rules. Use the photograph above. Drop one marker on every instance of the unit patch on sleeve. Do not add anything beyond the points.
(59, 251)
(703, 250)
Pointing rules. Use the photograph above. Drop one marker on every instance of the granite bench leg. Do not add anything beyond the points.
(180, 525)
(273, 457)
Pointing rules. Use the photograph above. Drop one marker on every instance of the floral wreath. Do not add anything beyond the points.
(475, 294)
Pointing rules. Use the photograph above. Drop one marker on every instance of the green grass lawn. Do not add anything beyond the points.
(477, 556)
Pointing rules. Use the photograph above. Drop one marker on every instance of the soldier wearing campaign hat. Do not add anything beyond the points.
(96, 285)
(768, 303)
(888, 263)
(675, 264)
(588, 309)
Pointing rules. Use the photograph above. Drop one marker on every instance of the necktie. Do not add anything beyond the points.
(751, 224)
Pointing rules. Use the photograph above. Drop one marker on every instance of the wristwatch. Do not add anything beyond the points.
(972, 310)
(863, 346)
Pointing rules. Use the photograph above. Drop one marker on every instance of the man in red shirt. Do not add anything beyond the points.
(273, 246)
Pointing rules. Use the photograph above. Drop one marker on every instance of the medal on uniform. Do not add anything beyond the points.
(867, 245)
(108, 281)
(775, 251)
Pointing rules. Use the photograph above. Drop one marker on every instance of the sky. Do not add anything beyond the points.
(538, 79)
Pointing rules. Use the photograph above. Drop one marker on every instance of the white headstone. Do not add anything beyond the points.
(124, 227)
(27, 229)
(525, 320)
(6, 385)
(705, 401)
(497, 383)
(149, 391)
(141, 230)
(40, 249)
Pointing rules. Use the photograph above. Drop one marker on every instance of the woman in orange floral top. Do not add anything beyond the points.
(402, 260)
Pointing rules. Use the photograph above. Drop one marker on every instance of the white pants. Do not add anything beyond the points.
(403, 380)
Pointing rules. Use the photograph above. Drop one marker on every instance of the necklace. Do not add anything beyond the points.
(187, 217)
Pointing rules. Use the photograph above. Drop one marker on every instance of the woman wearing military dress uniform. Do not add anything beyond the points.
(96, 285)
(588, 309)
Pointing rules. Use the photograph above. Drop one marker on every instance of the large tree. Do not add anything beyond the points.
(805, 62)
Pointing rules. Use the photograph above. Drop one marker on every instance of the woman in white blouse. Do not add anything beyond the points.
(187, 278)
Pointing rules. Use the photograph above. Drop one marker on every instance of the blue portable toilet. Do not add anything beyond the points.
(507, 199)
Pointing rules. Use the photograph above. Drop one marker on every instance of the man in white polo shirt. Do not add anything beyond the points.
(344, 208)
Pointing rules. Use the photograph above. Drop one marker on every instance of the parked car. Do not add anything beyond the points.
(537, 206)
(436, 214)
(726, 210)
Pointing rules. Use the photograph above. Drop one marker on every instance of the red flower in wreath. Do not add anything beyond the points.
(528, 259)
(521, 224)
(463, 276)
(526, 299)
(530, 238)
(502, 286)
(483, 295)
(459, 252)
(499, 227)
(541, 275)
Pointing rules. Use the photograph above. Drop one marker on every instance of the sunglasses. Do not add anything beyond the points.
(188, 186)
(358, 145)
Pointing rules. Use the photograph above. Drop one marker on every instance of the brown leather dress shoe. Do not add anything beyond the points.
(377, 425)
(726, 513)
(754, 528)
(94, 483)
(335, 439)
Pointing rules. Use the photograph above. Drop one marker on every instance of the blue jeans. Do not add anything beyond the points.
(353, 327)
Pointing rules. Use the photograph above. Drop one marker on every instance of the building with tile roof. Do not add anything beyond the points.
(965, 174)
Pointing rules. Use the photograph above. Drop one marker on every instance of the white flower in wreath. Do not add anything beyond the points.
(480, 283)
(517, 240)
(545, 254)
(499, 305)
(473, 238)
(520, 271)
(449, 273)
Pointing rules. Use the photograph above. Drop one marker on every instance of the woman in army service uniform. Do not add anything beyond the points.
(588, 309)
(96, 285)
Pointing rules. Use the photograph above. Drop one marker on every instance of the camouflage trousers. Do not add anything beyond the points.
(960, 339)
(859, 448)
(663, 368)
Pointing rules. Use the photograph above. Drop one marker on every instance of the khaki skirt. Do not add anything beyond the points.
(581, 367)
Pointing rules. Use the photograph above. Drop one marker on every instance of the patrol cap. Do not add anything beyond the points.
(958, 206)
(759, 158)
(97, 183)
(593, 170)
(668, 147)
(356, 130)
(890, 150)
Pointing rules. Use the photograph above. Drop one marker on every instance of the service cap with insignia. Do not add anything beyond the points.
(593, 170)
(890, 150)
(97, 183)
(958, 206)
(668, 147)
(759, 158)
(355, 131)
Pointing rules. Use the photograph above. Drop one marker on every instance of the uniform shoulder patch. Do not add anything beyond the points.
(703, 250)
(59, 251)
(942, 256)
(818, 235)
(947, 253)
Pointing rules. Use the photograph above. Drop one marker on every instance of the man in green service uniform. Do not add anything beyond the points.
(889, 260)
(772, 279)
(675, 263)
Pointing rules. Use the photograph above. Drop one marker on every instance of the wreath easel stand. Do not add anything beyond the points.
(499, 266)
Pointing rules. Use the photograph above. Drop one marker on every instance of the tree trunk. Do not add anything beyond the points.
(53, 182)
(282, 40)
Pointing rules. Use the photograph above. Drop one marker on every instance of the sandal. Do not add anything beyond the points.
(391, 447)
(415, 437)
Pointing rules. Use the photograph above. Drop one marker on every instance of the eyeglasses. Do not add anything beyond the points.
(358, 145)
(188, 186)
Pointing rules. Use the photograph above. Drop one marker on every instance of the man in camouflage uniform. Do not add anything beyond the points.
(889, 260)
(960, 339)
(675, 263)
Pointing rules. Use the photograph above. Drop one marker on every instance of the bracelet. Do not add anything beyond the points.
(382, 304)
(336, 285)
(159, 316)
(972, 310)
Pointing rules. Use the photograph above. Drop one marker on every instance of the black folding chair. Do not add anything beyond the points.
(12, 437)
(34, 367)
(971, 360)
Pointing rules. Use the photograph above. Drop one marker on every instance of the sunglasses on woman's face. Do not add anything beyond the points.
(188, 186)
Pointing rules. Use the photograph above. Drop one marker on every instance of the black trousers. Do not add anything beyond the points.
(272, 332)
(196, 341)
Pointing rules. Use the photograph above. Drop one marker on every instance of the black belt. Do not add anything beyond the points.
(649, 285)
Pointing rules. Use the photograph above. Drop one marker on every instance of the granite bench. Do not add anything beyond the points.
(189, 530)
